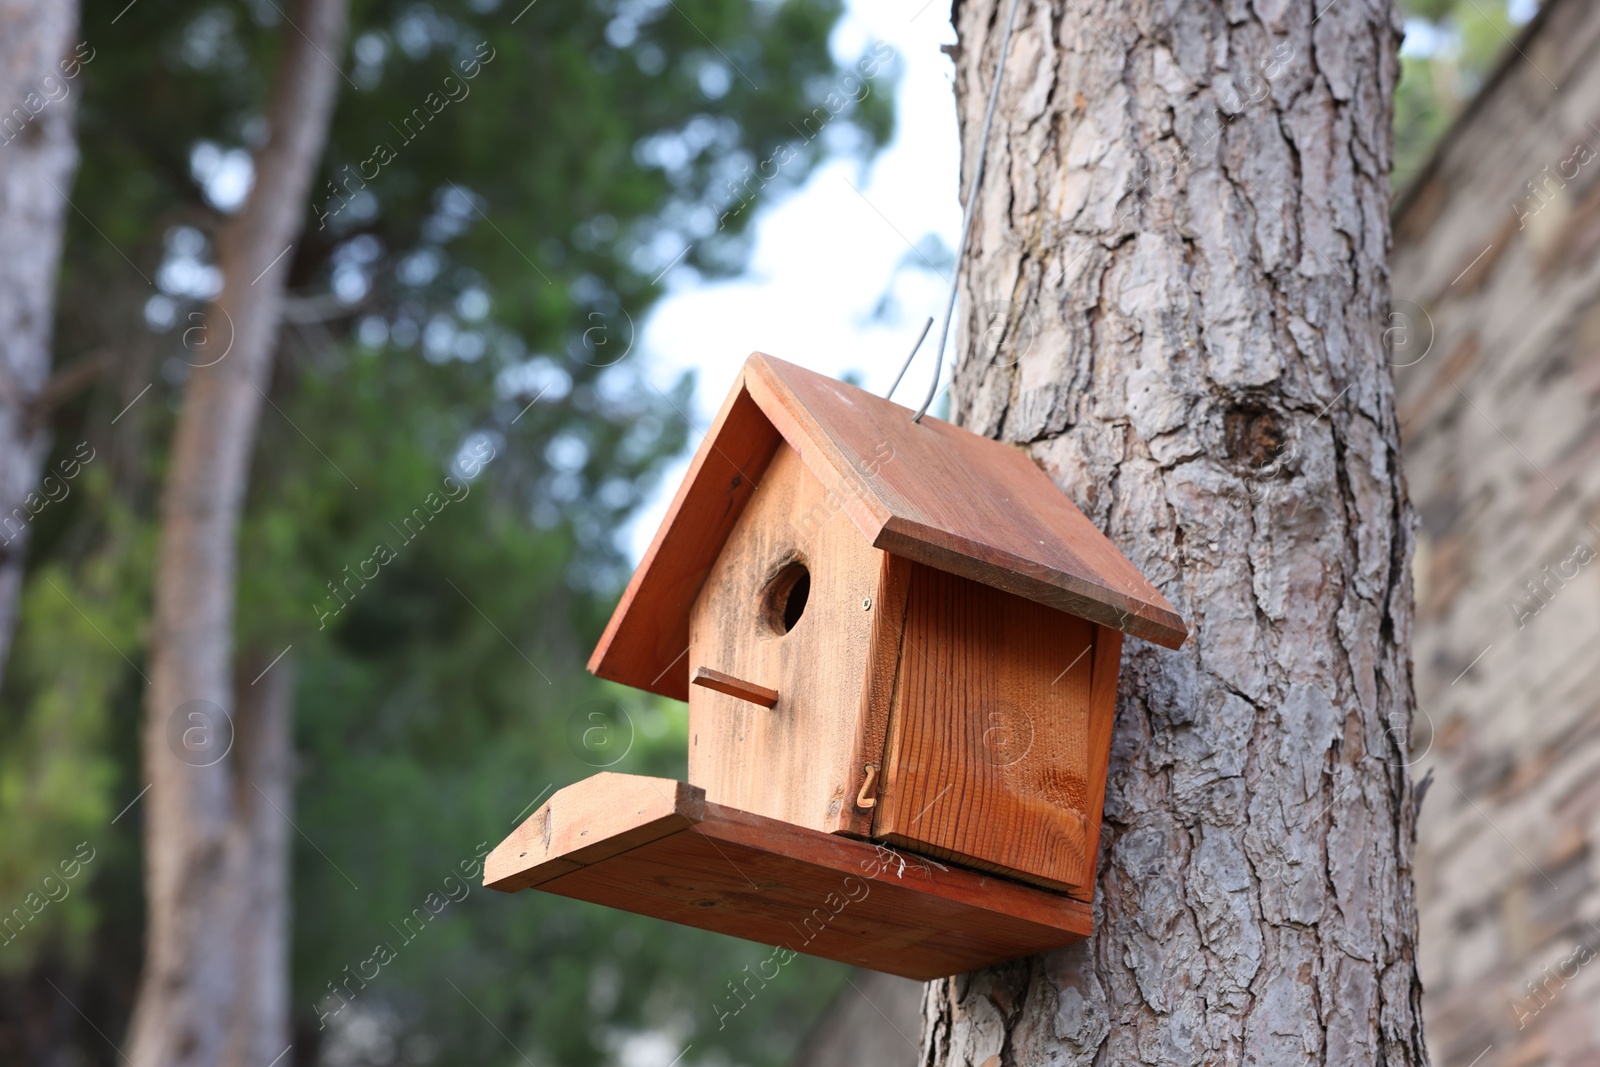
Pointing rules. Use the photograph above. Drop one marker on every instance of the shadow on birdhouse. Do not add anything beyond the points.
(899, 643)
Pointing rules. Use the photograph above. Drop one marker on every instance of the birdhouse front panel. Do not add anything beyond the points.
(995, 732)
(788, 606)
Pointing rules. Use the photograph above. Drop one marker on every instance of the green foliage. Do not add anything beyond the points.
(469, 301)
(444, 700)
(1463, 40)
(56, 770)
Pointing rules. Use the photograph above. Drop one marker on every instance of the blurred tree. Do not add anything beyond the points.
(216, 965)
(474, 285)
(38, 154)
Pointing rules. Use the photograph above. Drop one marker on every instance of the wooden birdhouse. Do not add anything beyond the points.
(899, 643)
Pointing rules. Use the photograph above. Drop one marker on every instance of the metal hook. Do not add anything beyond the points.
(972, 204)
(864, 802)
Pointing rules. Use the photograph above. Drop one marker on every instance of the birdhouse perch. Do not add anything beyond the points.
(899, 643)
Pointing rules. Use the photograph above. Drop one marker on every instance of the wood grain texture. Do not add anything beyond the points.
(794, 760)
(645, 644)
(735, 687)
(987, 761)
(1107, 657)
(877, 690)
(767, 881)
(946, 497)
(583, 823)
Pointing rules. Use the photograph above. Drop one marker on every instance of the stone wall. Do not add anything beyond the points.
(1496, 346)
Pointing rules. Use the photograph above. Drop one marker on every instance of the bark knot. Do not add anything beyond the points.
(1253, 435)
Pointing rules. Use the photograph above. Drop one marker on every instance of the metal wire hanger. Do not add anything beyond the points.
(966, 228)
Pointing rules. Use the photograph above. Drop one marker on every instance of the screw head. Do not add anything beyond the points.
(866, 603)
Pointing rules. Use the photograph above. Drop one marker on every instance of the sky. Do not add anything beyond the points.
(835, 281)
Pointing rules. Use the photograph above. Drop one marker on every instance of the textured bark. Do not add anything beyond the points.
(1174, 299)
(38, 156)
(197, 831)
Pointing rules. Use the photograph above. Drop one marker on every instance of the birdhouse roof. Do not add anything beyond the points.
(930, 492)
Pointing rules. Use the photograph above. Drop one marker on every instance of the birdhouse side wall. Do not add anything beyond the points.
(998, 733)
(795, 760)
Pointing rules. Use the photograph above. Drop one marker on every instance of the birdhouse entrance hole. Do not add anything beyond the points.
(784, 600)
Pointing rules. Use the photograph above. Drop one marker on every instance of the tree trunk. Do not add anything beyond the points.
(38, 156)
(1175, 299)
(263, 791)
(196, 831)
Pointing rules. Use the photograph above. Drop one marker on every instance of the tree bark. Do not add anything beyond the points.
(197, 831)
(1175, 299)
(38, 156)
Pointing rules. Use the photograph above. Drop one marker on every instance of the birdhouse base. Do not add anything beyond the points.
(654, 846)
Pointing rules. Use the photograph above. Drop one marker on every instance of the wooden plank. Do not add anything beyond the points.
(1102, 720)
(959, 887)
(793, 761)
(946, 497)
(588, 821)
(646, 643)
(987, 762)
(877, 689)
(735, 687)
(811, 892)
